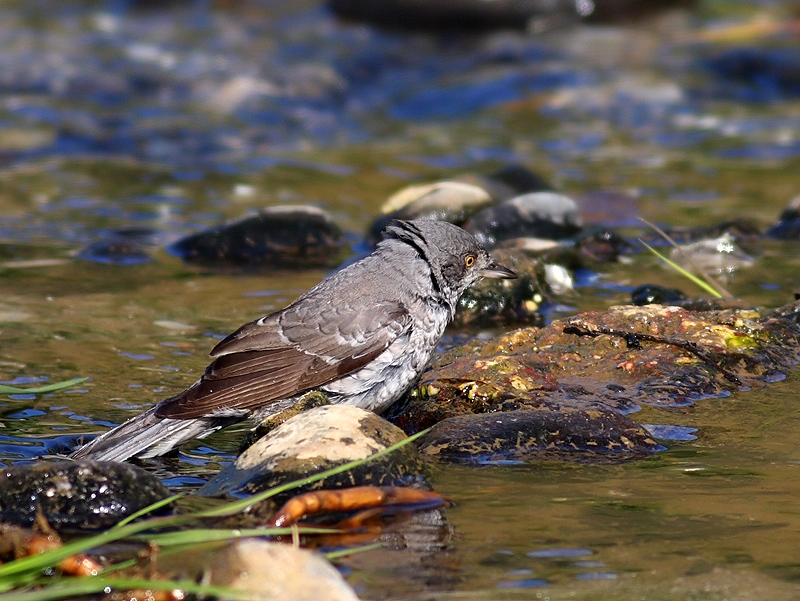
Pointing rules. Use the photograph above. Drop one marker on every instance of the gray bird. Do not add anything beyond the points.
(362, 336)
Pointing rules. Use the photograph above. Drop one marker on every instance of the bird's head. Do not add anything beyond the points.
(456, 258)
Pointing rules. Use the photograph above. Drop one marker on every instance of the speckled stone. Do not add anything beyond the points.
(317, 440)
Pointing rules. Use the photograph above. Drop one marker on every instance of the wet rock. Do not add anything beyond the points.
(76, 495)
(115, 251)
(146, 236)
(520, 179)
(564, 254)
(603, 245)
(538, 215)
(788, 225)
(445, 201)
(620, 11)
(508, 182)
(453, 15)
(278, 571)
(558, 259)
(721, 255)
(559, 279)
(458, 200)
(287, 237)
(703, 304)
(597, 362)
(740, 230)
(510, 301)
(315, 441)
(548, 432)
(535, 15)
(653, 294)
(757, 74)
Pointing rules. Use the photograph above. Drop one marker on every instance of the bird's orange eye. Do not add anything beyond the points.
(469, 261)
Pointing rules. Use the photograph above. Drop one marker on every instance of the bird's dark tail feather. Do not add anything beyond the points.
(148, 435)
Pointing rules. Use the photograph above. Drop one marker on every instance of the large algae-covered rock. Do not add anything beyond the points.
(578, 379)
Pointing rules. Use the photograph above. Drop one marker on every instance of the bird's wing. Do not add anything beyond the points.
(287, 353)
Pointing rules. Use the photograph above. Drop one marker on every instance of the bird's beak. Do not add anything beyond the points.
(498, 272)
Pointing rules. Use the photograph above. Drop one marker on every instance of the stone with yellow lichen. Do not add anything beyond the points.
(588, 375)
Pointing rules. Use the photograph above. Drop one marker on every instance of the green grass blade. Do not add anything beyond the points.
(111, 569)
(149, 509)
(206, 535)
(6, 389)
(18, 581)
(45, 560)
(690, 276)
(345, 552)
(704, 275)
(67, 588)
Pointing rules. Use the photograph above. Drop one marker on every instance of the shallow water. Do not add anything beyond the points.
(177, 118)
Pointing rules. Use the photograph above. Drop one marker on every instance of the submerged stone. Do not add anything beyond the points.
(740, 230)
(288, 237)
(548, 432)
(457, 200)
(788, 225)
(115, 251)
(520, 179)
(317, 440)
(721, 255)
(653, 294)
(603, 245)
(76, 495)
(508, 182)
(466, 14)
(757, 74)
(532, 15)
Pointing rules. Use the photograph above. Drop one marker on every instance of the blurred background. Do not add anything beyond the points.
(172, 115)
(125, 126)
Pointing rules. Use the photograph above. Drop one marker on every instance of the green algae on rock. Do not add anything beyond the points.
(578, 378)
